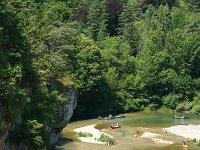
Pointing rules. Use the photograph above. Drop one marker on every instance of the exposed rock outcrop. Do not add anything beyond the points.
(2, 144)
(3, 137)
(21, 146)
(68, 108)
(66, 112)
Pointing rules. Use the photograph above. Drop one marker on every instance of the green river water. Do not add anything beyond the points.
(124, 140)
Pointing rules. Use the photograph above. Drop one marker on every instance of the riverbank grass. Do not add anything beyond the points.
(84, 134)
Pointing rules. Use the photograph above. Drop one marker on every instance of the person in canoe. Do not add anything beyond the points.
(99, 118)
(120, 116)
(110, 116)
(181, 117)
(115, 126)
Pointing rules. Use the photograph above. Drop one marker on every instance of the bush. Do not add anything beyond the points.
(194, 140)
(84, 134)
(185, 106)
(165, 109)
(106, 138)
(32, 133)
(198, 144)
(196, 109)
(172, 100)
(151, 107)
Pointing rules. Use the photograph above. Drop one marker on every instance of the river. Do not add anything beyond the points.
(124, 140)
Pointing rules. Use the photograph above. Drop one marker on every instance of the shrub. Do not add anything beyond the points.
(172, 100)
(165, 109)
(106, 138)
(32, 133)
(194, 140)
(196, 108)
(185, 106)
(151, 107)
(198, 144)
(84, 134)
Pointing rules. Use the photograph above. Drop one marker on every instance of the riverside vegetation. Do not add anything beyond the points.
(106, 138)
(196, 142)
(84, 134)
(120, 55)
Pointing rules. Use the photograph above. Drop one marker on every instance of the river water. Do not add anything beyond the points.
(124, 140)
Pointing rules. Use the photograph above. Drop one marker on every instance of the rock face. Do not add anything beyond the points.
(2, 144)
(66, 112)
(3, 138)
(68, 108)
(21, 146)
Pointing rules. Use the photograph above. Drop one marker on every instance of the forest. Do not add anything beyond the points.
(120, 55)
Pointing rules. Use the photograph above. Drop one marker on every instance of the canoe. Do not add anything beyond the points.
(115, 126)
(181, 117)
(105, 118)
(109, 118)
(119, 116)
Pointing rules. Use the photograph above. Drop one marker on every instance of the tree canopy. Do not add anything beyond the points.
(120, 55)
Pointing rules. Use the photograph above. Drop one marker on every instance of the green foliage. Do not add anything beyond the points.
(127, 28)
(12, 52)
(33, 129)
(121, 55)
(198, 144)
(106, 138)
(194, 140)
(117, 53)
(151, 107)
(185, 106)
(194, 5)
(31, 133)
(159, 70)
(89, 63)
(165, 110)
(172, 100)
(142, 4)
(98, 18)
(114, 8)
(85, 134)
(196, 109)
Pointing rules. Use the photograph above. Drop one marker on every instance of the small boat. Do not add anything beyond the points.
(181, 117)
(115, 126)
(105, 118)
(110, 117)
(120, 116)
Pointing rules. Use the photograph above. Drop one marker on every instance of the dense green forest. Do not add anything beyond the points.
(121, 56)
